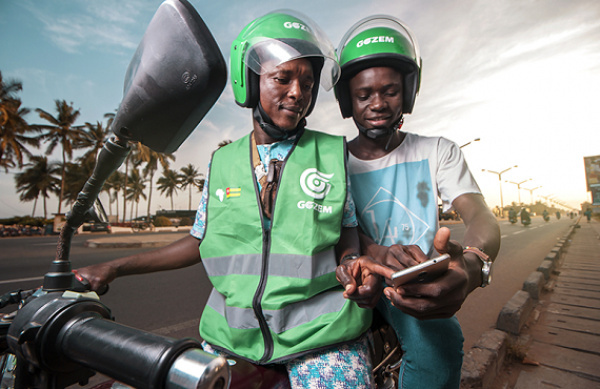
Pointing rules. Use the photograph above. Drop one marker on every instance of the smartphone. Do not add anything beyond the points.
(423, 272)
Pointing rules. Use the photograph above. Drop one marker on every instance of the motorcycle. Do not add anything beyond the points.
(61, 334)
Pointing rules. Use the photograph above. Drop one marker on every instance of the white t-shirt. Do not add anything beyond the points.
(396, 195)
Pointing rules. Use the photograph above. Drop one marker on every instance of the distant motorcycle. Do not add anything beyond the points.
(525, 218)
(512, 216)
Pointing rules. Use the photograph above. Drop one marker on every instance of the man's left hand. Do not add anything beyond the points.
(442, 297)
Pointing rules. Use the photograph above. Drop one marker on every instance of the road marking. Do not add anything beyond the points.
(21, 280)
(518, 232)
(177, 327)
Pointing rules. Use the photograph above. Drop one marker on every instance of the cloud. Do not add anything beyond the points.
(103, 25)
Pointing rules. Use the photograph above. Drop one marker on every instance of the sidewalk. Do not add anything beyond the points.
(548, 334)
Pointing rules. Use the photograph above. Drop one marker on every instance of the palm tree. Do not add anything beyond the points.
(114, 183)
(40, 178)
(132, 156)
(152, 159)
(191, 178)
(61, 130)
(13, 127)
(135, 190)
(169, 183)
(93, 137)
(224, 143)
(76, 175)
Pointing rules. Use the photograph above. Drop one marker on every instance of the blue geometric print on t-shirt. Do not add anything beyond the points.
(397, 205)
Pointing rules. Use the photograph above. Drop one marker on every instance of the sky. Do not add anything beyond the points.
(523, 76)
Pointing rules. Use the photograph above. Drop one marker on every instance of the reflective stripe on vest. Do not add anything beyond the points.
(283, 265)
(293, 315)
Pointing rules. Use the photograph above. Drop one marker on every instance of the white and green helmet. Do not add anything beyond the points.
(379, 40)
(273, 39)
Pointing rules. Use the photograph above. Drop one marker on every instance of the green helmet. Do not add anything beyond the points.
(379, 40)
(273, 39)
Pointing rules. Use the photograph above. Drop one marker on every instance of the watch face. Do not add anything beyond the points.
(486, 273)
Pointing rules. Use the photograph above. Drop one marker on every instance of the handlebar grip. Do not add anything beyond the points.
(145, 360)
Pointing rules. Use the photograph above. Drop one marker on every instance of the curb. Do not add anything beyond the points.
(485, 359)
(138, 240)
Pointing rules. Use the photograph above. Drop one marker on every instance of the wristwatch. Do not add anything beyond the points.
(486, 269)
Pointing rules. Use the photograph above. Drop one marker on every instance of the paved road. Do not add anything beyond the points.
(521, 252)
(169, 303)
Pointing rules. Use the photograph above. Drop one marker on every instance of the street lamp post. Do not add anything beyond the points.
(499, 174)
(518, 184)
(468, 143)
(531, 192)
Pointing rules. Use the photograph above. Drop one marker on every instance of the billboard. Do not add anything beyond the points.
(592, 177)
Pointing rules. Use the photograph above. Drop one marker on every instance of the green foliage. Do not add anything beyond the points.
(26, 221)
(162, 221)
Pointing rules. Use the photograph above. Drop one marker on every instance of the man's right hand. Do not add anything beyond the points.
(361, 280)
(99, 276)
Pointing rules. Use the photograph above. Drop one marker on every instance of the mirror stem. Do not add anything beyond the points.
(109, 159)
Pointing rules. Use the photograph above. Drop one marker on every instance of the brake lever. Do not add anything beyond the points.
(82, 285)
(15, 297)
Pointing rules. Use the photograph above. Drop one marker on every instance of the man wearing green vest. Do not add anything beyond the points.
(275, 220)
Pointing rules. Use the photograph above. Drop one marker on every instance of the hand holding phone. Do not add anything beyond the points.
(423, 272)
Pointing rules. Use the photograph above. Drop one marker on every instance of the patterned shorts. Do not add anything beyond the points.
(339, 367)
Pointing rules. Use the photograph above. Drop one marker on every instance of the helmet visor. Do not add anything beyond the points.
(283, 36)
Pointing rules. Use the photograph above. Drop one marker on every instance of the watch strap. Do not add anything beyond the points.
(477, 251)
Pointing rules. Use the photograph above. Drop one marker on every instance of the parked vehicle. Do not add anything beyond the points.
(97, 227)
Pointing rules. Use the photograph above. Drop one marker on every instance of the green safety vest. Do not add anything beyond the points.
(275, 295)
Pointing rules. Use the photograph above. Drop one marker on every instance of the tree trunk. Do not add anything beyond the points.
(117, 207)
(34, 205)
(131, 213)
(150, 194)
(125, 189)
(62, 184)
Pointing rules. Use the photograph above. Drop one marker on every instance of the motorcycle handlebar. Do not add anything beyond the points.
(61, 333)
(152, 361)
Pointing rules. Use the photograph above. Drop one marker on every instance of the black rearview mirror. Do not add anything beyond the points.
(175, 77)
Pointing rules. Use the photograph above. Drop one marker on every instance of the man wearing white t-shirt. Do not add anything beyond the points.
(396, 178)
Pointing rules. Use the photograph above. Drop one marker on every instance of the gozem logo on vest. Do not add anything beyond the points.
(316, 185)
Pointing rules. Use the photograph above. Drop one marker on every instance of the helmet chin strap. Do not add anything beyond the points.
(271, 128)
(380, 132)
